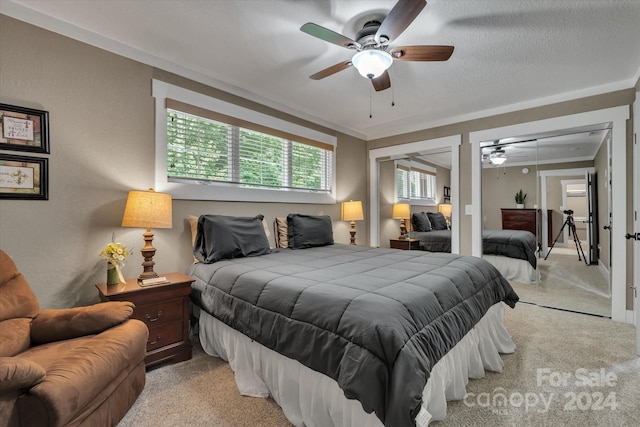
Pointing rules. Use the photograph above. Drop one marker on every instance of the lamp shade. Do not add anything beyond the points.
(352, 211)
(445, 209)
(147, 209)
(371, 63)
(401, 211)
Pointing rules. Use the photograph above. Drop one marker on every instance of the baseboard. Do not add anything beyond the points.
(629, 318)
(604, 270)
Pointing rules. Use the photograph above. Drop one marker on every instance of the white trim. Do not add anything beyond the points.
(603, 269)
(453, 142)
(629, 318)
(636, 219)
(618, 117)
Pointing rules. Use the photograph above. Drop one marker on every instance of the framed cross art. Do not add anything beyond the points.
(23, 177)
(24, 129)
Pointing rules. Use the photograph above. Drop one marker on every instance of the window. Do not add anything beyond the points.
(210, 155)
(417, 184)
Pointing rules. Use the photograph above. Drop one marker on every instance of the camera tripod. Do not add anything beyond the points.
(572, 229)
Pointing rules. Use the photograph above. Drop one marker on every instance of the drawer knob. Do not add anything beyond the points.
(158, 338)
(148, 316)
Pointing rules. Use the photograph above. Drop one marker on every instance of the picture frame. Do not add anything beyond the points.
(24, 129)
(24, 178)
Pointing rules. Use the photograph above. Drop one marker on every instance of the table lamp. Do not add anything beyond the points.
(147, 209)
(352, 211)
(401, 211)
(445, 210)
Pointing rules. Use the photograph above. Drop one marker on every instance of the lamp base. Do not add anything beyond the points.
(352, 232)
(148, 251)
(403, 230)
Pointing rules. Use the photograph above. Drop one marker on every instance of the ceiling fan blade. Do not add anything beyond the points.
(327, 35)
(381, 82)
(399, 18)
(421, 53)
(331, 70)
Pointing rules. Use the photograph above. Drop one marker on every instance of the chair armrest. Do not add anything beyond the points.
(62, 324)
(19, 374)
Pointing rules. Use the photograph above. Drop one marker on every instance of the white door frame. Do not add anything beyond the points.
(375, 155)
(636, 219)
(565, 233)
(617, 116)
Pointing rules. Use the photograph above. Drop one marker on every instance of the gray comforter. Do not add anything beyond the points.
(374, 320)
(518, 244)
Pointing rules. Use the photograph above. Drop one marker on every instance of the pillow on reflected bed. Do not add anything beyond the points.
(421, 222)
(308, 231)
(438, 222)
(225, 237)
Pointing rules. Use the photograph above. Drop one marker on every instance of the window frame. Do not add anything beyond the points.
(207, 190)
(415, 202)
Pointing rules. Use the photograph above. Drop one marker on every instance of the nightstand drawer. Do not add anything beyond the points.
(166, 334)
(160, 312)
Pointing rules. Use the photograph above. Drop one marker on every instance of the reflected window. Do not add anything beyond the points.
(415, 183)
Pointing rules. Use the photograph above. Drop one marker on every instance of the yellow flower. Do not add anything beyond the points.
(114, 252)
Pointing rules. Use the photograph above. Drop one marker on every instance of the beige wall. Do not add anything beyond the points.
(102, 146)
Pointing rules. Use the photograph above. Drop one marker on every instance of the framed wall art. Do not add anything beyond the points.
(23, 177)
(24, 129)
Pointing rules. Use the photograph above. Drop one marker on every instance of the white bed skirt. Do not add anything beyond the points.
(518, 270)
(309, 398)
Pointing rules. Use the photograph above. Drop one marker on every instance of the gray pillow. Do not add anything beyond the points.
(437, 221)
(421, 222)
(226, 237)
(307, 231)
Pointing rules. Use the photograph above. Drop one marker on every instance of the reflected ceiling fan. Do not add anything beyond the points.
(498, 155)
(373, 54)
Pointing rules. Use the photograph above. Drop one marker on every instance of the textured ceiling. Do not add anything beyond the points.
(508, 54)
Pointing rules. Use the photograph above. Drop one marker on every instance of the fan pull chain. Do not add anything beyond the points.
(393, 95)
(370, 112)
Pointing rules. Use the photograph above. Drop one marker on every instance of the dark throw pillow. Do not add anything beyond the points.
(421, 222)
(226, 237)
(307, 231)
(437, 221)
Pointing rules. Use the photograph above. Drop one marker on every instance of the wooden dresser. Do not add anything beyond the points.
(526, 219)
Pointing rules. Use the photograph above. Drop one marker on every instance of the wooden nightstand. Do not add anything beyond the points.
(404, 244)
(164, 309)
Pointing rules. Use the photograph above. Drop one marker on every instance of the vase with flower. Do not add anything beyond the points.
(115, 253)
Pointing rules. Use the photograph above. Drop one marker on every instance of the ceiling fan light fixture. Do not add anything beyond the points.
(371, 63)
(498, 160)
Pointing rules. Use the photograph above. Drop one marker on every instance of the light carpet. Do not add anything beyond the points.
(551, 345)
(568, 283)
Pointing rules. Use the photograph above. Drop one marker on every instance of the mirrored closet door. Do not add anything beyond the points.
(563, 177)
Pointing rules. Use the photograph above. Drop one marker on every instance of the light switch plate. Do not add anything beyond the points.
(467, 209)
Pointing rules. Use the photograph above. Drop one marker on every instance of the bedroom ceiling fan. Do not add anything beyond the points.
(373, 54)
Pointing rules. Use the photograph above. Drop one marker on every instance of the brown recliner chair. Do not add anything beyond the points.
(81, 366)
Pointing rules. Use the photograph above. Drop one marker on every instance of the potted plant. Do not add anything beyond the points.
(520, 199)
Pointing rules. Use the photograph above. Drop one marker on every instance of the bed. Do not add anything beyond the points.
(341, 334)
(512, 252)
